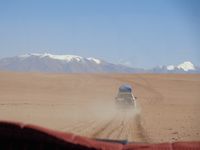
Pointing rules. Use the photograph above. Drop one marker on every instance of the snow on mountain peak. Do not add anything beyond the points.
(186, 66)
(58, 57)
(67, 58)
(170, 67)
(97, 61)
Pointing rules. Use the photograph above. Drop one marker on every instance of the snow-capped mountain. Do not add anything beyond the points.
(185, 67)
(60, 63)
(66, 58)
(36, 62)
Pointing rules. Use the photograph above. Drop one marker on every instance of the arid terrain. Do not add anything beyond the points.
(168, 106)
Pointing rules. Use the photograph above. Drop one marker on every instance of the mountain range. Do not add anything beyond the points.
(76, 64)
(185, 67)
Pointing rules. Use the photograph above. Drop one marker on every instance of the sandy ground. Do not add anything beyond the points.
(168, 106)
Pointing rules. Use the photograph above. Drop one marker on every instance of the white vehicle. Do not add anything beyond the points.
(125, 98)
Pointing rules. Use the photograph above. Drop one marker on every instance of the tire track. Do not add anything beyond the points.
(123, 127)
(103, 128)
(140, 131)
(77, 125)
(113, 130)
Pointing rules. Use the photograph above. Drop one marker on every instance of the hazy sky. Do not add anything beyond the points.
(141, 33)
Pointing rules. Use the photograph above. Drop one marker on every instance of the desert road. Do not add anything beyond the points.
(122, 125)
(167, 105)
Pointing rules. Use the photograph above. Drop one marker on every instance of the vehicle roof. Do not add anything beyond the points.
(125, 88)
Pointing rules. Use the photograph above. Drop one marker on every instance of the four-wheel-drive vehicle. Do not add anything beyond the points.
(125, 98)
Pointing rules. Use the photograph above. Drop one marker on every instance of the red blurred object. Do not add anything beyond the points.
(19, 136)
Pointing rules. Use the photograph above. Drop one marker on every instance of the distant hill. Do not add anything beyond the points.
(185, 67)
(61, 63)
(77, 64)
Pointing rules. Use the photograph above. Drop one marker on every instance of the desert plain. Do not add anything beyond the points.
(168, 105)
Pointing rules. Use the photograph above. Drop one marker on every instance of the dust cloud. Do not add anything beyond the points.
(103, 119)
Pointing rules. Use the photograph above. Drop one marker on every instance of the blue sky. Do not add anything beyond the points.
(140, 33)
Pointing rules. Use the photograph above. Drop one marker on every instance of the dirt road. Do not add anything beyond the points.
(121, 125)
(167, 105)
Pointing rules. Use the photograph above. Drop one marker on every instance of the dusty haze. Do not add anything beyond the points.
(168, 105)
